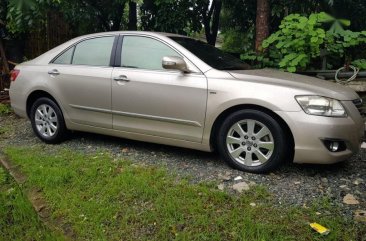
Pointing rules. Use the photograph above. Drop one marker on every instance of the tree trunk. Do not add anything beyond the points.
(5, 67)
(132, 15)
(3, 58)
(262, 23)
(211, 30)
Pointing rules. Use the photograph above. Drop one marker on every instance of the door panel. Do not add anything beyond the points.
(81, 77)
(85, 93)
(150, 100)
(160, 103)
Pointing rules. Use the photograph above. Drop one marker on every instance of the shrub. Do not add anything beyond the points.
(300, 40)
(360, 63)
(238, 42)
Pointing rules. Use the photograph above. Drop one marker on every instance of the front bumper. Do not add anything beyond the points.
(309, 132)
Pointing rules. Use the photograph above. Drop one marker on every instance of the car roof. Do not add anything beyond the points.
(138, 32)
(49, 55)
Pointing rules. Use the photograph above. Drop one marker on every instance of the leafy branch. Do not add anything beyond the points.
(301, 39)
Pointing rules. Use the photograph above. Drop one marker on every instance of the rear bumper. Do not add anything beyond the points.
(17, 100)
(310, 131)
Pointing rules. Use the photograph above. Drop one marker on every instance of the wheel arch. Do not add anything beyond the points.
(35, 95)
(223, 115)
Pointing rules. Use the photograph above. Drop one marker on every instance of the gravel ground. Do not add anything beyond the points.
(292, 184)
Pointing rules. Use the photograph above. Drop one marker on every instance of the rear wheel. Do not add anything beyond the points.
(252, 141)
(47, 121)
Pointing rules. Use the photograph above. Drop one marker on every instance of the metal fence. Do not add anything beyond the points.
(54, 32)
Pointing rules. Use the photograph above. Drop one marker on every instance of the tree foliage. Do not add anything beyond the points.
(3, 10)
(182, 16)
(298, 40)
(171, 16)
(238, 18)
(301, 39)
(237, 41)
(237, 25)
(238, 15)
(88, 16)
(85, 16)
(308, 37)
(360, 63)
(22, 15)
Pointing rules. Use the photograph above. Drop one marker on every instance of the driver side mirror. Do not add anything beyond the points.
(175, 62)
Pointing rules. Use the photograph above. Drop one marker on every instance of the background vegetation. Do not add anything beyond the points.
(302, 33)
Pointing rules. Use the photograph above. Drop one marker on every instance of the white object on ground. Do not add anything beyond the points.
(238, 178)
(363, 145)
(241, 186)
(350, 200)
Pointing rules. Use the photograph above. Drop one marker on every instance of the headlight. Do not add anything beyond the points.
(323, 106)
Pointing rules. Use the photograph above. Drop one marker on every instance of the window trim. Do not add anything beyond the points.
(64, 51)
(118, 52)
(112, 54)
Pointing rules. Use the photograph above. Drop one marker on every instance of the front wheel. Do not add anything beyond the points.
(252, 141)
(47, 121)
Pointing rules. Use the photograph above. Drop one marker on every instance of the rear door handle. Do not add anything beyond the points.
(53, 72)
(121, 78)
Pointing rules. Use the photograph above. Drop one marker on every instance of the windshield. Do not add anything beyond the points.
(210, 55)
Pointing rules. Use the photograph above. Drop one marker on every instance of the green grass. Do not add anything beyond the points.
(102, 198)
(4, 130)
(18, 220)
(5, 109)
(5, 121)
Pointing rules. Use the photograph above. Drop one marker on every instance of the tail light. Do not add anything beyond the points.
(14, 74)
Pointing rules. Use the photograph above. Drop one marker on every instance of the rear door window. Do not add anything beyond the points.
(65, 58)
(95, 52)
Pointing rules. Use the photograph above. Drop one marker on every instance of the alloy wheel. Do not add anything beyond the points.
(46, 120)
(250, 142)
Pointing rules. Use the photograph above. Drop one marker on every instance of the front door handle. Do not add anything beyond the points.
(53, 72)
(121, 78)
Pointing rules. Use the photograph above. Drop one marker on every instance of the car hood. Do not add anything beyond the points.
(311, 85)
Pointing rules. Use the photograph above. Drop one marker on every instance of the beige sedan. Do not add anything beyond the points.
(174, 90)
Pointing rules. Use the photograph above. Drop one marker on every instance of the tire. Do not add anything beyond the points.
(47, 121)
(252, 141)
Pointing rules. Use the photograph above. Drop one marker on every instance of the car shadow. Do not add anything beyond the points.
(118, 142)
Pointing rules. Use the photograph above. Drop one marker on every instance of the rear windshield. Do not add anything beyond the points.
(210, 55)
